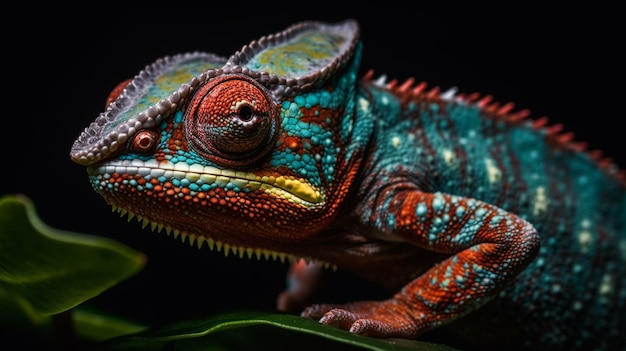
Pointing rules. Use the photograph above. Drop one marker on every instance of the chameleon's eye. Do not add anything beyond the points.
(232, 121)
(144, 142)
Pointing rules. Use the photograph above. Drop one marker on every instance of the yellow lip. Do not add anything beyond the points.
(290, 188)
(299, 188)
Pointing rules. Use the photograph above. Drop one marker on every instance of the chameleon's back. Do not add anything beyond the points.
(575, 289)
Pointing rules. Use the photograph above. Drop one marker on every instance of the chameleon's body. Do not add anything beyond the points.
(459, 204)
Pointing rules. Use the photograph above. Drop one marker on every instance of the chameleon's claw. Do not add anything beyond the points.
(340, 318)
(373, 322)
(317, 311)
(285, 302)
(371, 327)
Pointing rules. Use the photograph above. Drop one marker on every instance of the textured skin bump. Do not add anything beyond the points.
(476, 217)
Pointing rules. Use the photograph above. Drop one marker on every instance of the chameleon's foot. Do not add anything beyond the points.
(371, 318)
(303, 281)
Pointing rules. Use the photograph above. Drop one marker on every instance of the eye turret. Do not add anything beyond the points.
(232, 121)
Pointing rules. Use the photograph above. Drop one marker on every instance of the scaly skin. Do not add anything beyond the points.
(463, 206)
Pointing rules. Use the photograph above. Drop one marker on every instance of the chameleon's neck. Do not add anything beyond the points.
(351, 127)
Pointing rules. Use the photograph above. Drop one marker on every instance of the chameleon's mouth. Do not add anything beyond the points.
(197, 180)
(201, 178)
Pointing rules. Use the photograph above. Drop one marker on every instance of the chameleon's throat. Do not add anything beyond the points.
(215, 245)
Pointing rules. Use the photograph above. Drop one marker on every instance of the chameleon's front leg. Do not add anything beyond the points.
(303, 280)
(489, 247)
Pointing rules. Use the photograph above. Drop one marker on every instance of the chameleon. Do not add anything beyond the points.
(473, 215)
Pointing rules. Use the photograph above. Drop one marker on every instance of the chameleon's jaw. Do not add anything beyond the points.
(201, 241)
(234, 212)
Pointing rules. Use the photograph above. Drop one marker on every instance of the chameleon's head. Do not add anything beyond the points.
(237, 152)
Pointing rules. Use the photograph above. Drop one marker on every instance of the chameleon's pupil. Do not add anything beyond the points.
(245, 113)
(144, 142)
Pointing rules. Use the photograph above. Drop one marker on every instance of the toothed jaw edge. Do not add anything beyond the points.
(199, 241)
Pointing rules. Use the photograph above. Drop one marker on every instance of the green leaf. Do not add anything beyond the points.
(45, 271)
(258, 331)
(97, 326)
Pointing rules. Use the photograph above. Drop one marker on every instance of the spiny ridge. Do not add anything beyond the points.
(215, 245)
(507, 112)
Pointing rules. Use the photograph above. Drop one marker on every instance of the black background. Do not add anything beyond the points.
(564, 63)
